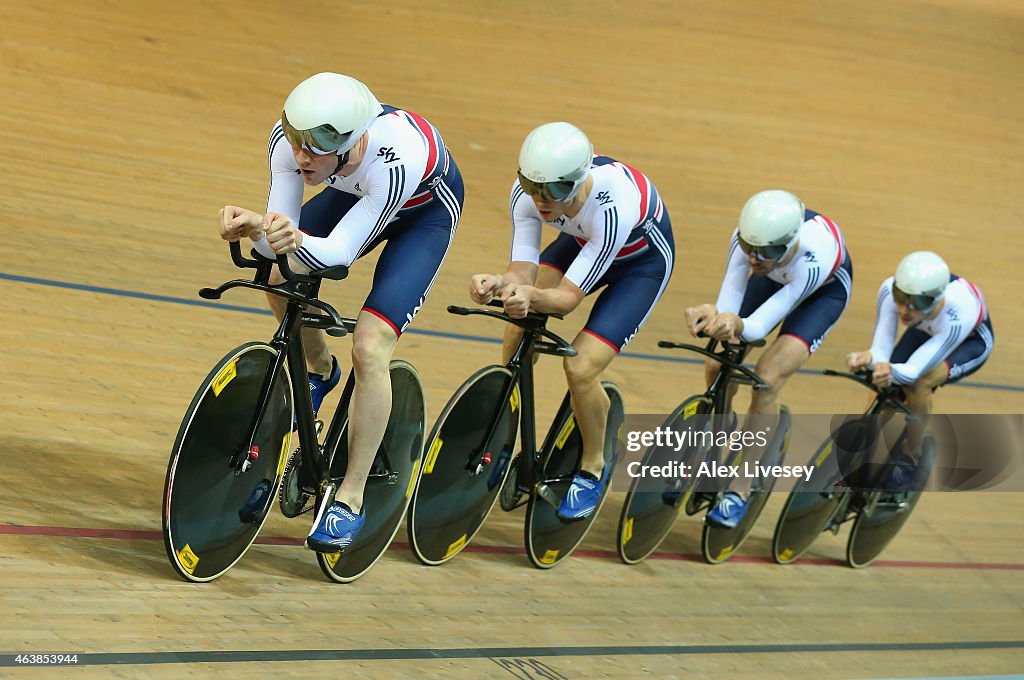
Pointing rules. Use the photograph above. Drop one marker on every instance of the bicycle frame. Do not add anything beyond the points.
(885, 399)
(300, 291)
(521, 367)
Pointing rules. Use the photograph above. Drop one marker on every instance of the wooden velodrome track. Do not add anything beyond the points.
(125, 126)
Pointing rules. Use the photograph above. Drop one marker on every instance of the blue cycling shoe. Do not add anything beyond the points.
(319, 386)
(257, 502)
(902, 474)
(582, 497)
(336, 530)
(729, 511)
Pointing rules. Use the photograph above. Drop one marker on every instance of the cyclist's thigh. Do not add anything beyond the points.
(971, 354)
(322, 213)
(813, 318)
(631, 289)
(759, 289)
(560, 253)
(409, 264)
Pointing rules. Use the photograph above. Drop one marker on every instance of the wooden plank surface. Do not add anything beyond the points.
(125, 128)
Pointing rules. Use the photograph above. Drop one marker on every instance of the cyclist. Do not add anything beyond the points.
(948, 336)
(616, 235)
(389, 178)
(786, 265)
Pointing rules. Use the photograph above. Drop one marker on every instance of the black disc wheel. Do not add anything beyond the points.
(213, 509)
(457, 487)
(813, 505)
(549, 539)
(648, 513)
(392, 477)
(873, 531)
(719, 543)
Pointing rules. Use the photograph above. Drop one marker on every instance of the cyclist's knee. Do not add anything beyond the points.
(372, 346)
(918, 397)
(582, 370)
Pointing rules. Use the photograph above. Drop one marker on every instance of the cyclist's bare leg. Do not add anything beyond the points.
(373, 343)
(919, 400)
(589, 402)
(778, 363)
(314, 340)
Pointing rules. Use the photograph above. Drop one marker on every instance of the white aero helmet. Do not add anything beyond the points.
(328, 113)
(769, 224)
(921, 279)
(554, 161)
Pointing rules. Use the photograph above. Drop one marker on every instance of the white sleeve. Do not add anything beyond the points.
(807, 278)
(285, 196)
(734, 284)
(599, 252)
(388, 188)
(928, 355)
(526, 227)
(886, 324)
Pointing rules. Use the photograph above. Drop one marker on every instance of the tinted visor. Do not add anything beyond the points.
(321, 140)
(763, 253)
(921, 303)
(551, 191)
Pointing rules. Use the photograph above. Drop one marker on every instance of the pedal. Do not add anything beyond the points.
(549, 495)
(897, 502)
(698, 502)
(325, 502)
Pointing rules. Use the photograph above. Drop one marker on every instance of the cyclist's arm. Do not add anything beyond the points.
(561, 299)
(928, 355)
(388, 188)
(285, 196)
(597, 255)
(734, 284)
(886, 324)
(807, 277)
(526, 228)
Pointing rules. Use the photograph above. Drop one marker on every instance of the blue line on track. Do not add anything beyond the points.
(412, 331)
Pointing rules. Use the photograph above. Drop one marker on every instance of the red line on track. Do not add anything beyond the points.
(129, 534)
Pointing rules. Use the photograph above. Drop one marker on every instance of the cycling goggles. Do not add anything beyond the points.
(922, 303)
(561, 190)
(321, 140)
(764, 253)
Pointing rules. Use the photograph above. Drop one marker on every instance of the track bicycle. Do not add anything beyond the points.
(648, 514)
(231, 456)
(849, 485)
(467, 464)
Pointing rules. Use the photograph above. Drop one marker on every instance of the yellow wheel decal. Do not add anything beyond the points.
(412, 479)
(435, 448)
(188, 559)
(549, 557)
(456, 546)
(824, 454)
(566, 431)
(226, 376)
